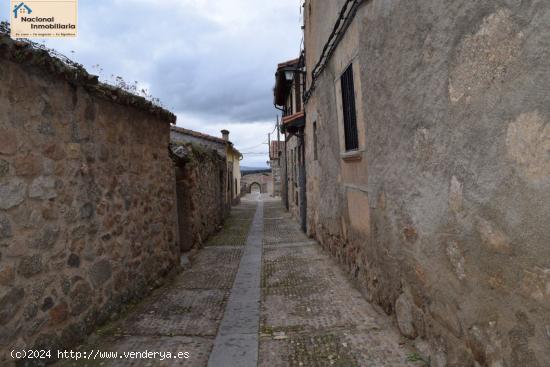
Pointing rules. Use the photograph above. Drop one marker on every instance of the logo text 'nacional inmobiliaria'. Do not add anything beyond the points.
(44, 19)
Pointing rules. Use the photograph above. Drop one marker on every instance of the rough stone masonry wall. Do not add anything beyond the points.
(457, 116)
(264, 181)
(293, 171)
(201, 194)
(276, 172)
(87, 218)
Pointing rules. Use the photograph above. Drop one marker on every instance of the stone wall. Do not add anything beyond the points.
(201, 175)
(276, 172)
(442, 216)
(293, 175)
(182, 136)
(87, 215)
(263, 181)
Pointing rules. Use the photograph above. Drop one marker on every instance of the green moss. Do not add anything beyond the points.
(415, 357)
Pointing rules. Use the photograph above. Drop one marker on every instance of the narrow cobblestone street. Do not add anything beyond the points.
(260, 293)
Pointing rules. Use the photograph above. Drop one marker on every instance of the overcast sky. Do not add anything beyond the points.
(211, 62)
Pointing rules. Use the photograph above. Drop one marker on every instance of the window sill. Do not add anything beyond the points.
(352, 156)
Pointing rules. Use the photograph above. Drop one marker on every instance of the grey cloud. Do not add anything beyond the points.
(218, 69)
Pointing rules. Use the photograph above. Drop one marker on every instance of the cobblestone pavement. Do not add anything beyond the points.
(310, 314)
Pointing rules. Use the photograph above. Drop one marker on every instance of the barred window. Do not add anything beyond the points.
(348, 105)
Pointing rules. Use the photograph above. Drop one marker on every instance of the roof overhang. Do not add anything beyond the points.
(293, 123)
(283, 86)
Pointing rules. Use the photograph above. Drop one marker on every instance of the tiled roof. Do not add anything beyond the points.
(198, 135)
(294, 117)
(288, 63)
(276, 147)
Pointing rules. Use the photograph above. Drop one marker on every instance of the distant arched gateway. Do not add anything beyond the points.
(255, 187)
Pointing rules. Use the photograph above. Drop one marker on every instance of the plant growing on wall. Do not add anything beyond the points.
(114, 80)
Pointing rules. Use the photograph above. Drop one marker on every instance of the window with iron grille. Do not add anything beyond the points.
(348, 105)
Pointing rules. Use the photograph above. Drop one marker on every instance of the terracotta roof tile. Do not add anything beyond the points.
(276, 147)
(198, 134)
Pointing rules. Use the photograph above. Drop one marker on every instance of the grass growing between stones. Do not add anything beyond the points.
(287, 275)
(269, 330)
(415, 357)
(321, 350)
(235, 229)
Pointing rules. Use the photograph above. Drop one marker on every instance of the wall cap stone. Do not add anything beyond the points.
(24, 53)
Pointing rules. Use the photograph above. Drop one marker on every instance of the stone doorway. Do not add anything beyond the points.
(255, 188)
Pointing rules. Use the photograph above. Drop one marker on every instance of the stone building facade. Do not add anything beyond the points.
(201, 180)
(261, 182)
(428, 174)
(234, 158)
(288, 95)
(180, 135)
(275, 161)
(87, 214)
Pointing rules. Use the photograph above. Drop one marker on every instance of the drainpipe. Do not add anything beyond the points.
(284, 191)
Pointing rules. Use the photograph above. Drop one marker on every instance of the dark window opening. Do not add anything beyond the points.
(348, 105)
(290, 105)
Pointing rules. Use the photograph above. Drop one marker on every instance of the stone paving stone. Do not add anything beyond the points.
(184, 315)
(228, 257)
(282, 231)
(185, 312)
(311, 350)
(233, 234)
(236, 344)
(311, 314)
(224, 261)
(236, 227)
(205, 279)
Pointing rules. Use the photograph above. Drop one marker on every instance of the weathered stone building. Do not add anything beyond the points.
(288, 94)
(428, 173)
(276, 162)
(234, 158)
(201, 181)
(261, 182)
(180, 135)
(87, 214)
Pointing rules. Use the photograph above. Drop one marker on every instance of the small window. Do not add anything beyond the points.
(348, 105)
(315, 141)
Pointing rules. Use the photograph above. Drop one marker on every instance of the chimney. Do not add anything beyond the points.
(225, 135)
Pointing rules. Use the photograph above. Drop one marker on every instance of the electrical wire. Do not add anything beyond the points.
(347, 14)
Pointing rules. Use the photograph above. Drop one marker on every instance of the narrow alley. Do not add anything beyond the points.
(260, 293)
